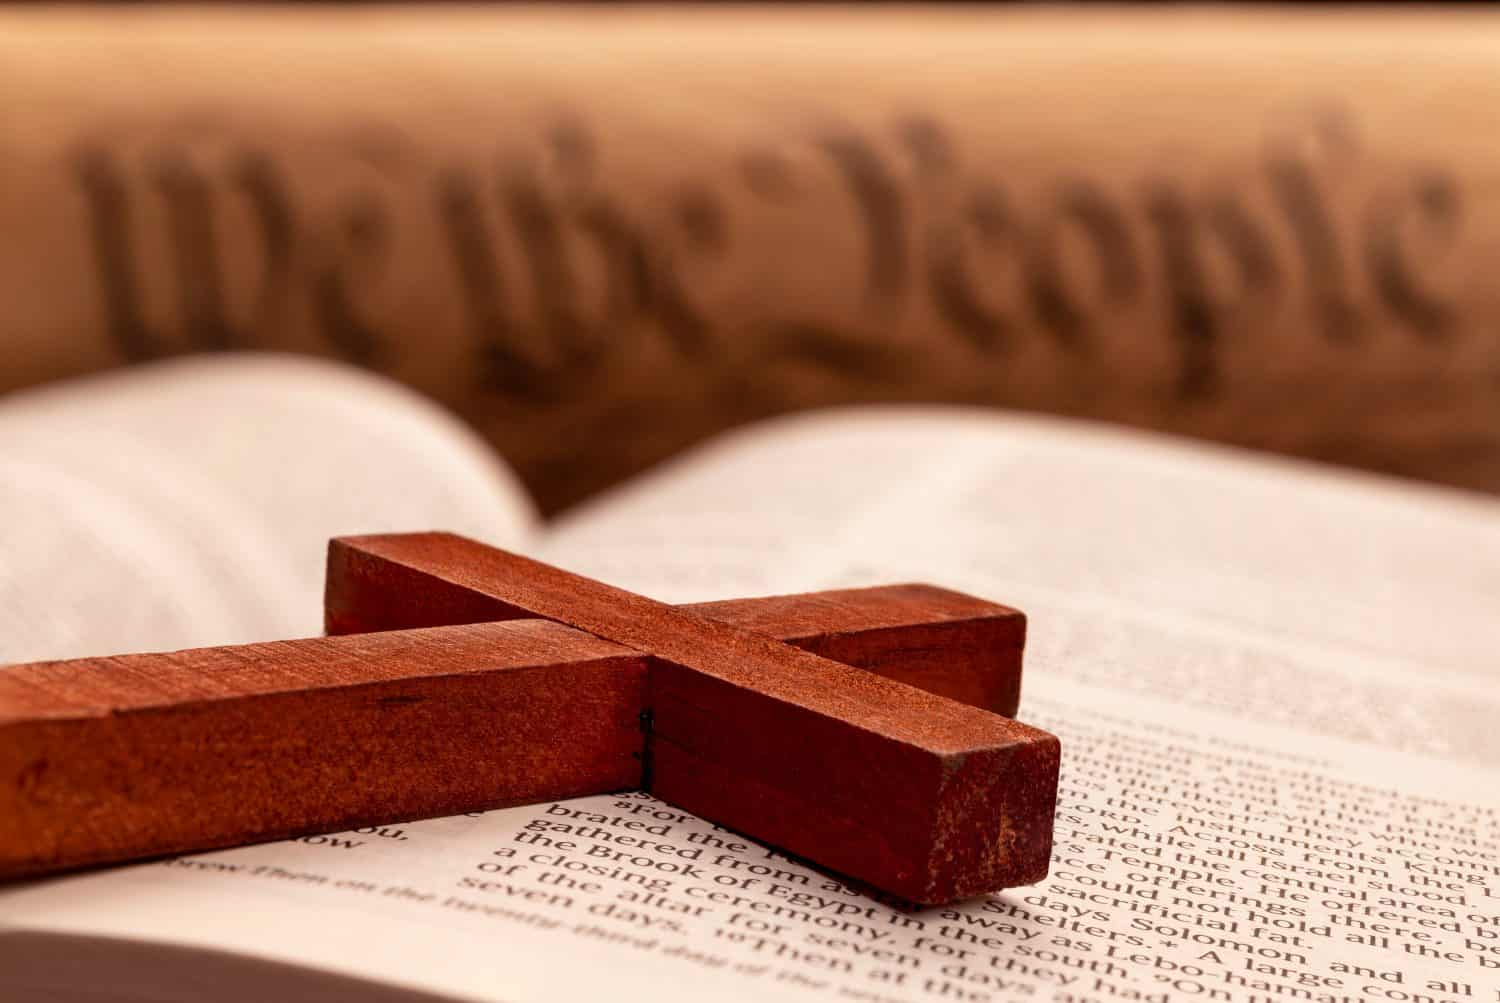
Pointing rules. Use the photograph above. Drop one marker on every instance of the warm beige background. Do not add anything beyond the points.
(601, 234)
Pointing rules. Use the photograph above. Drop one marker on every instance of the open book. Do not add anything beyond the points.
(1275, 685)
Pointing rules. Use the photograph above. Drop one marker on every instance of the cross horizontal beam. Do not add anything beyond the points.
(945, 642)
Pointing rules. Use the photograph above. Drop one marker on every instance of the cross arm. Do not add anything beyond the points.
(942, 641)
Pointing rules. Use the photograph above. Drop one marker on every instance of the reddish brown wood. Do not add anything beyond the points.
(143, 755)
(941, 641)
(935, 639)
(118, 762)
(107, 759)
(922, 796)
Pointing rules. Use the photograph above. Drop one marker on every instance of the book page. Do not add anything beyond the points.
(190, 503)
(1193, 573)
(1260, 674)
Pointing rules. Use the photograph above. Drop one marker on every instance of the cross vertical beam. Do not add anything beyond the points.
(134, 756)
(106, 759)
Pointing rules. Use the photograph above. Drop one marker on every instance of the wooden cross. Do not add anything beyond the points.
(866, 730)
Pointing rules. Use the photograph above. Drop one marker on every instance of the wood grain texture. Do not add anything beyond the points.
(928, 798)
(107, 759)
(945, 642)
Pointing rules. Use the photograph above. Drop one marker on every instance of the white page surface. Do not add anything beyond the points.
(1247, 811)
(190, 503)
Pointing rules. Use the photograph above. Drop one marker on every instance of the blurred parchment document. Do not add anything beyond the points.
(1275, 685)
(1278, 228)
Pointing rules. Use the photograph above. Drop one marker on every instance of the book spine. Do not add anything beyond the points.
(1278, 229)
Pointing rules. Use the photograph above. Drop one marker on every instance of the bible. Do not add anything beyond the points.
(1274, 683)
